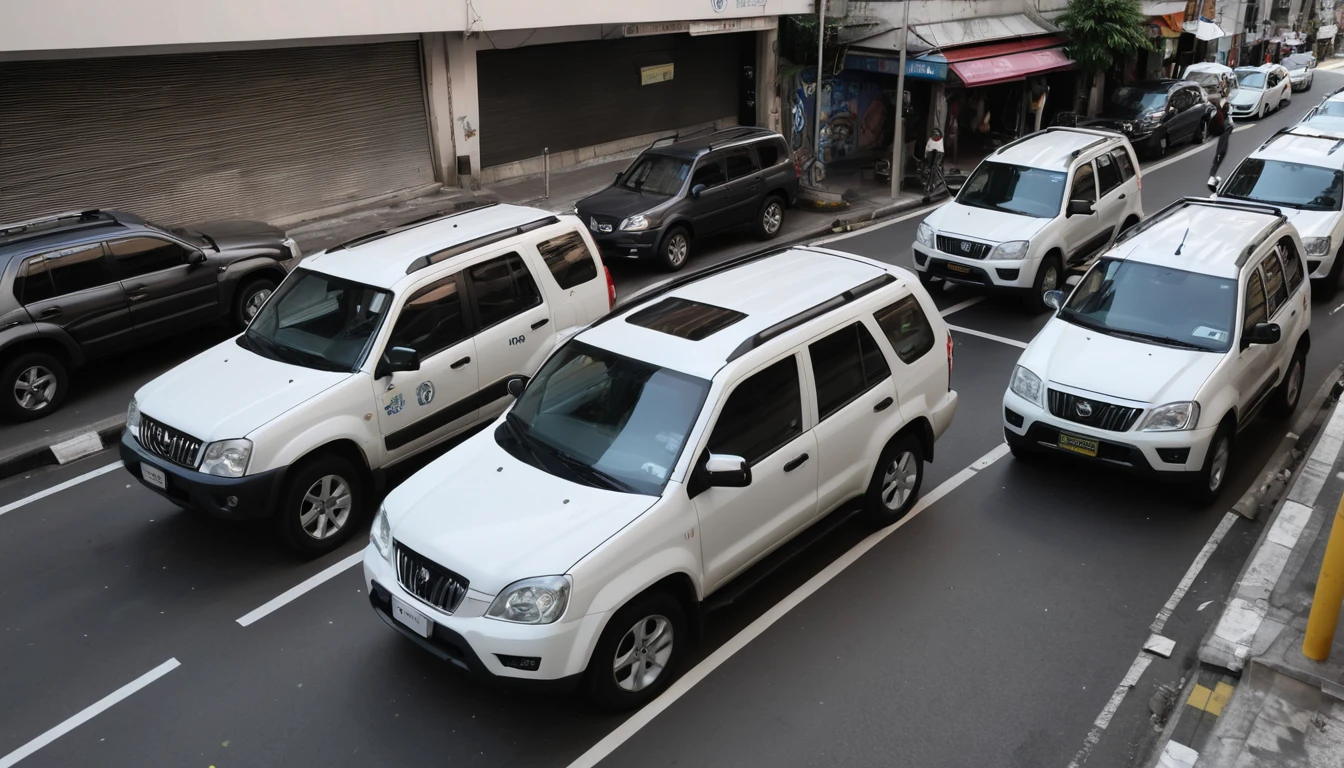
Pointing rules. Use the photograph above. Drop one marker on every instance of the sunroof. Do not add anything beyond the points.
(684, 318)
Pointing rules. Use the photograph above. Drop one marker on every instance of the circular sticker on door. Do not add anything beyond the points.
(424, 394)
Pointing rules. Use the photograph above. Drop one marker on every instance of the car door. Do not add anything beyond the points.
(762, 420)
(745, 183)
(1254, 370)
(169, 286)
(1081, 229)
(1129, 181)
(73, 289)
(1286, 307)
(1295, 274)
(418, 408)
(1110, 197)
(1176, 122)
(711, 211)
(514, 331)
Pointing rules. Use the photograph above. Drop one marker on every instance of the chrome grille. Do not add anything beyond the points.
(429, 581)
(967, 249)
(168, 443)
(1093, 413)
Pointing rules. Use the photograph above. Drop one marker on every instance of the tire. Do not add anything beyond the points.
(662, 617)
(251, 295)
(894, 487)
(1201, 133)
(675, 249)
(1289, 391)
(1211, 478)
(35, 385)
(1264, 110)
(770, 218)
(1034, 301)
(329, 476)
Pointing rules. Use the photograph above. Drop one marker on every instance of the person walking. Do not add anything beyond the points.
(1222, 128)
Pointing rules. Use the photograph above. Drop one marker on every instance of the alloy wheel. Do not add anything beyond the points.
(1219, 467)
(1050, 281)
(676, 249)
(643, 653)
(326, 506)
(35, 388)
(255, 301)
(898, 482)
(1294, 382)
(773, 217)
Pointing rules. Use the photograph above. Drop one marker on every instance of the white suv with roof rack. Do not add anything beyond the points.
(657, 455)
(1013, 228)
(367, 354)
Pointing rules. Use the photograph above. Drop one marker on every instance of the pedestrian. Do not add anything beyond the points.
(1221, 126)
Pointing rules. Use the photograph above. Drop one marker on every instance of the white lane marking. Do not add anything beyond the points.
(962, 305)
(71, 483)
(1336, 309)
(887, 223)
(294, 593)
(88, 714)
(990, 336)
(1195, 568)
(643, 717)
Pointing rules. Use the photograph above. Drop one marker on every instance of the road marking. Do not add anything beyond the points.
(962, 305)
(990, 336)
(88, 714)
(683, 685)
(1195, 568)
(294, 593)
(71, 483)
(1336, 309)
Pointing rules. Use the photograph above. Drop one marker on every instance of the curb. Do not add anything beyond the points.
(64, 448)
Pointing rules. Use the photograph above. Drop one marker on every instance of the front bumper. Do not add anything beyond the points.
(253, 496)
(1246, 111)
(628, 245)
(1018, 274)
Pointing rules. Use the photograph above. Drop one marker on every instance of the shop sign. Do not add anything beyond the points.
(918, 69)
(657, 28)
(658, 73)
(722, 26)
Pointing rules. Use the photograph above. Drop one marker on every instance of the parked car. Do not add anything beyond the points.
(1030, 210)
(676, 194)
(1217, 80)
(1156, 114)
(1169, 346)
(1261, 90)
(1328, 116)
(656, 456)
(83, 286)
(1301, 70)
(369, 353)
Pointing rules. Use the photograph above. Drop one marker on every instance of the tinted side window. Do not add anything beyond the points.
(845, 367)
(1276, 288)
(1084, 184)
(907, 328)
(431, 320)
(1255, 302)
(1123, 162)
(568, 259)
(768, 152)
(503, 288)
(1108, 175)
(741, 162)
(875, 366)
(1292, 263)
(143, 255)
(33, 283)
(78, 268)
(709, 172)
(763, 414)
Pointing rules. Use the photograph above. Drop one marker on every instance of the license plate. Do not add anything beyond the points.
(412, 618)
(1079, 445)
(154, 476)
(962, 268)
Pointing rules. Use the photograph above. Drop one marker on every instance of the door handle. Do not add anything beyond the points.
(884, 405)
(796, 463)
(137, 296)
(540, 323)
(1122, 197)
(460, 363)
(48, 312)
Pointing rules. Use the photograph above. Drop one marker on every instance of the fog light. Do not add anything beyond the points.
(920, 258)
(1012, 417)
(1173, 455)
(231, 501)
(1008, 274)
(525, 663)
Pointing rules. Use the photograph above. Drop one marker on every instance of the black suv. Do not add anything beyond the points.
(677, 193)
(1156, 114)
(79, 286)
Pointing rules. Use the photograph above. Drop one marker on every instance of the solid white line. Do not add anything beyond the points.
(88, 714)
(294, 593)
(1103, 720)
(71, 483)
(990, 336)
(643, 717)
(1195, 568)
(962, 305)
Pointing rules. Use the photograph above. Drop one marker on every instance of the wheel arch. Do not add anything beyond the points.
(59, 347)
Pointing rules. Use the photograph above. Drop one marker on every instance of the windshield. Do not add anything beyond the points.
(1205, 79)
(1251, 78)
(606, 420)
(1295, 185)
(1130, 101)
(1014, 189)
(318, 321)
(1157, 305)
(1331, 109)
(656, 174)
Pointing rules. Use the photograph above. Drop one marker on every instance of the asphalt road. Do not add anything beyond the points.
(991, 629)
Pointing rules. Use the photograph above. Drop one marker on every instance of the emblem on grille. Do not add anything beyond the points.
(1083, 408)
(163, 443)
(965, 247)
(422, 576)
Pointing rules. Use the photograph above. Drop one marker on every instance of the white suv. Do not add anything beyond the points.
(1301, 171)
(657, 455)
(368, 353)
(1169, 346)
(1013, 228)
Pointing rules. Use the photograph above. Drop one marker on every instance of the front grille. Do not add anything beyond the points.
(429, 581)
(1093, 413)
(168, 443)
(967, 249)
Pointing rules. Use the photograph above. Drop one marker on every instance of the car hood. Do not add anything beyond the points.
(983, 223)
(227, 392)
(1067, 354)
(1245, 96)
(1297, 74)
(483, 514)
(235, 234)
(619, 202)
(1311, 223)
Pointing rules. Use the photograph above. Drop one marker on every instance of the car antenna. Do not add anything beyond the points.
(1182, 245)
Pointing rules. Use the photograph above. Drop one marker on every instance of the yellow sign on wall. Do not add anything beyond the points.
(659, 73)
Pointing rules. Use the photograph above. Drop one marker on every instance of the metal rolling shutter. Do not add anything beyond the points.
(571, 95)
(256, 134)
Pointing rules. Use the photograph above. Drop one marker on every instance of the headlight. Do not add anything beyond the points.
(1026, 385)
(133, 418)
(227, 458)
(635, 224)
(1013, 249)
(1316, 246)
(1172, 417)
(532, 601)
(924, 235)
(1126, 126)
(380, 535)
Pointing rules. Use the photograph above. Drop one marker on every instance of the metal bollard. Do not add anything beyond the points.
(546, 163)
(1329, 593)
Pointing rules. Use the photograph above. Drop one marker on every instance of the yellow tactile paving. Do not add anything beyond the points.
(1218, 699)
(1199, 697)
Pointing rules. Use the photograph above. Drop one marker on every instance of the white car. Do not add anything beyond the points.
(657, 455)
(1301, 171)
(1261, 90)
(1217, 80)
(1301, 70)
(1169, 346)
(1328, 116)
(1032, 209)
(367, 354)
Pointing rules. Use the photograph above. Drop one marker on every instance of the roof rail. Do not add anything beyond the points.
(466, 206)
(18, 230)
(811, 313)
(738, 132)
(479, 242)
(1065, 129)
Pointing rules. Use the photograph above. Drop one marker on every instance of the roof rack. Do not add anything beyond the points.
(1233, 205)
(1064, 129)
(479, 242)
(19, 230)
(678, 136)
(812, 313)
(466, 206)
(738, 132)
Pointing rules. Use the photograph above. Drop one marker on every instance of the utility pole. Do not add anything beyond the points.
(898, 146)
(821, 41)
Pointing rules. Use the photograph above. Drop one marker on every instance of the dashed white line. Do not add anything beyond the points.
(88, 714)
(990, 336)
(71, 483)
(308, 585)
(962, 305)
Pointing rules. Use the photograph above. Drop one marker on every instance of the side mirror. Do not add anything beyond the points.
(515, 386)
(696, 191)
(196, 257)
(1079, 208)
(1215, 182)
(1261, 333)
(396, 360)
(726, 471)
(1053, 299)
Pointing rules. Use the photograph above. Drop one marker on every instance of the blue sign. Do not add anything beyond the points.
(916, 69)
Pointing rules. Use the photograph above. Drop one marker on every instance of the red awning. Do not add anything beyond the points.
(1014, 66)
(1000, 48)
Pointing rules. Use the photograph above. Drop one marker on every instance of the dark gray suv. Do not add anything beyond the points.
(674, 194)
(75, 287)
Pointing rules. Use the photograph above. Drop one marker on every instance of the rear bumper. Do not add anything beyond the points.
(252, 496)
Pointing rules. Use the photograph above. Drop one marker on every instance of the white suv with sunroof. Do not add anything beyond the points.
(657, 455)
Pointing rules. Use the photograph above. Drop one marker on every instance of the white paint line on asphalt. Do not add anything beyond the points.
(71, 483)
(1336, 309)
(1103, 720)
(990, 336)
(88, 714)
(683, 685)
(1192, 572)
(308, 585)
(962, 305)
(887, 223)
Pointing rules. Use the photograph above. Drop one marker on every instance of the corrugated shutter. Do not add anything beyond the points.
(255, 134)
(570, 95)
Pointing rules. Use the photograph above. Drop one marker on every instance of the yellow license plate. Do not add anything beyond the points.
(1078, 445)
(962, 268)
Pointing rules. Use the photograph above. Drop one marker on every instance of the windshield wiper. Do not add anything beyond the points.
(1077, 318)
(1159, 339)
(584, 469)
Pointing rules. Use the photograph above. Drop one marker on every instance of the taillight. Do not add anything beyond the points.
(611, 288)
(949, 361)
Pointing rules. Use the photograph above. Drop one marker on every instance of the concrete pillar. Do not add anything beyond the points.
(465, 103)
(768, 103)
(438, 107)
